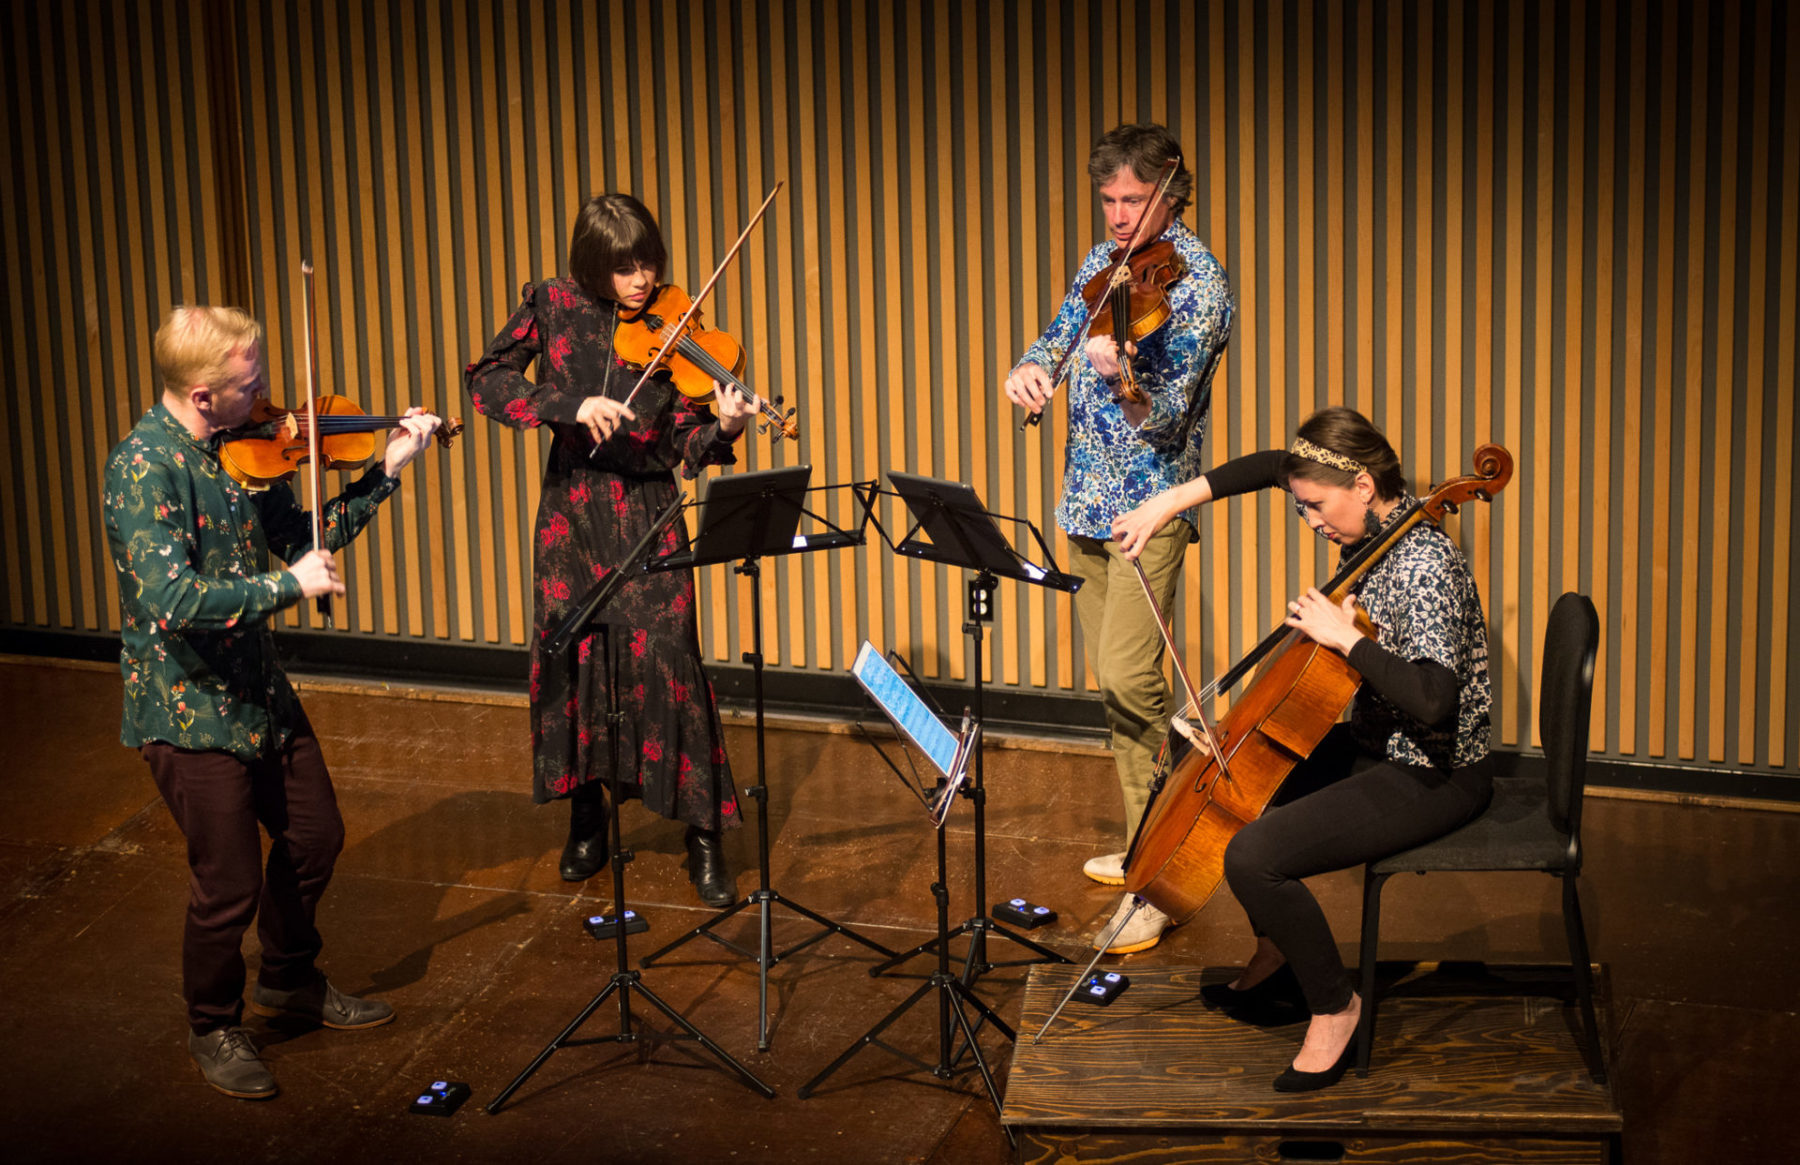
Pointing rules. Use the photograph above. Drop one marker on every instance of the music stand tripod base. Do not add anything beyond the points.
(624, 980)
(751, 516)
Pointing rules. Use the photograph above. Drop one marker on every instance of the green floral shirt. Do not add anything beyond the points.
(196, 590)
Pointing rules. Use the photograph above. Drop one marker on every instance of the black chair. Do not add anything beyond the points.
(1532, 823)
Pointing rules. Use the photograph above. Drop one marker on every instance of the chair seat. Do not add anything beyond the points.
(1514, 833)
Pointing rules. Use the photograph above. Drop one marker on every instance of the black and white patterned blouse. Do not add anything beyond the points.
(1424, 604)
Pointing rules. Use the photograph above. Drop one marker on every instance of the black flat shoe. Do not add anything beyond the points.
(1278, 987)
(706, 866)
(1294, 1080)
(587, 848)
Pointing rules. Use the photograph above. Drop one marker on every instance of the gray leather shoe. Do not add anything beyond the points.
(228, 1060)
(322, 1003)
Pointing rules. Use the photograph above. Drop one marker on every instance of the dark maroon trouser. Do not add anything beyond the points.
(218, 801)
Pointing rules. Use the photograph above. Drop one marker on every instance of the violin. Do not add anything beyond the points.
(274, 443)
(698, 357)
(1134, 288)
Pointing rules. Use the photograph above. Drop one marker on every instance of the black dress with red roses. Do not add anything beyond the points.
(593, 510)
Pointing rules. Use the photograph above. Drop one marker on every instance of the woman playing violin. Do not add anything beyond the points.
(1410, 765)
(611, 471)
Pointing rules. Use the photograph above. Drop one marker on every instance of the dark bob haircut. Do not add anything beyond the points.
(613, 232)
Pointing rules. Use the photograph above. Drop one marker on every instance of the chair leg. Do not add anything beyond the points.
(1371, 931)
(1584, 975)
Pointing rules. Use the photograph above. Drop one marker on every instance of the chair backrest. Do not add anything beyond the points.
(1565, 705)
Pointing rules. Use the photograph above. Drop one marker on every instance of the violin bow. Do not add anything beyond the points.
(1187, 684)
(1121, 271)
(317, 490)
(675, 333)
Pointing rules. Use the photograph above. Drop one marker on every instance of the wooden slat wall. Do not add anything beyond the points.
(1567, 227)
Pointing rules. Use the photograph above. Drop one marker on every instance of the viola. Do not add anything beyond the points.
(275, 442)
(697, 357)
(1133, 288)
(1177, 857)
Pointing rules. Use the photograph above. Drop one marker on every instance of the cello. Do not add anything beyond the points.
(1177, 857)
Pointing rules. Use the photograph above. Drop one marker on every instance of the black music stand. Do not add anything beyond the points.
(951, 755)
(624, 980)
(950, 525)
(754, 516)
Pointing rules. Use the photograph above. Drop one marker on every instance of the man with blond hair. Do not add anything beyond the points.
(206, 701)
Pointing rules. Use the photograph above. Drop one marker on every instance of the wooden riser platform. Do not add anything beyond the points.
(1470, 1064)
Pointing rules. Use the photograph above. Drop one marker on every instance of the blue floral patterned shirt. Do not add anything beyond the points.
(1423, 602)
(1112, 467)
(191, 547)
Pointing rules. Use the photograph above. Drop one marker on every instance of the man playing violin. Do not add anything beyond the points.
(1121, 453)
(610, 472)
(1410, 765)
(206, 701)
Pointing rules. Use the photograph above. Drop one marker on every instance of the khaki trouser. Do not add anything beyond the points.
(1125, 650)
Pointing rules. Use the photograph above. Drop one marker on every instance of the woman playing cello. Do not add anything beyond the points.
(1412, 762)
(611, 471)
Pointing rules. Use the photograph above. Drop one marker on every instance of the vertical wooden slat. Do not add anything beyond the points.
(1275, 422)
(43, 403)
(1021, 485)
(872, 383)
(1480, 403)
(1451, 273)
(1630, 449)
(1781, 492)
(1751, 649)
(1421, 447)
(23, 541)
(990, 288)
(79, 325)
(1228, 384)
(1542, 325)
(1249, 407)
(837, 649)
(1569, 383)
(1605, 200)
(1693, 44)
(468, 321)
(404, 610)
(896, 292)
(1511, 274)
(1388, 390)
(1714, 667)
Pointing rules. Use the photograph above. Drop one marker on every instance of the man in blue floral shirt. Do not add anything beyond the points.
(1120, 454)
(206, 702)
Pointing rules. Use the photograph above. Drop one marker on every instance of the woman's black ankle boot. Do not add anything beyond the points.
(586, 850)
(706, 866)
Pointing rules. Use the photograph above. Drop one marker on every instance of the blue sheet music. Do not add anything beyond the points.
(904, 707)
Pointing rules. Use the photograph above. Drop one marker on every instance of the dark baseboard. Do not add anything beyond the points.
(825, 694)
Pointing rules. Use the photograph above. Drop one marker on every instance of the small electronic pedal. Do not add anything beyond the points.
(1026, 914)
(605, 925)
(441, 1098)
(1102, 989)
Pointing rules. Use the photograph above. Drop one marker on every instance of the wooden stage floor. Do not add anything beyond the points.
(447, 904)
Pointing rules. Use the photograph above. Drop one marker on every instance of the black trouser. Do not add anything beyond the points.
(1339, 808)
(218, 801)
